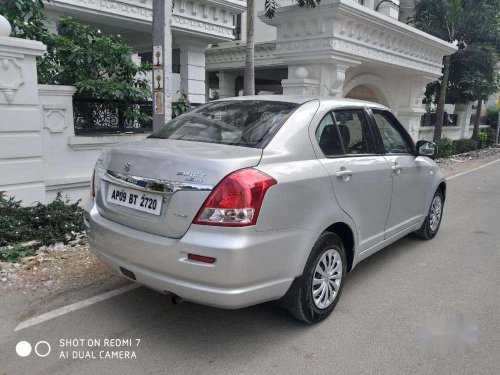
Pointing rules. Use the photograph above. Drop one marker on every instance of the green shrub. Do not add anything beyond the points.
(491, 136)
(58, 221)
(26, 18)
(13, 253)
(461, 146)
(445, 148)
(492, 117)
(486, 137)
(99, 65)
(181, 106)
(482, 139)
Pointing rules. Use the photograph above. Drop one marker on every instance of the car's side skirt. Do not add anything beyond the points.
(365, 254)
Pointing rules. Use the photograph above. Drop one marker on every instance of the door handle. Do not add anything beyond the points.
(396, 168)
(343, 173)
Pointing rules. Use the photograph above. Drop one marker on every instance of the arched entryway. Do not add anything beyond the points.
(371, 88)
(363, 92)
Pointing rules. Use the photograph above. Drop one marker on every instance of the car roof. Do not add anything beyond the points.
(301, 99)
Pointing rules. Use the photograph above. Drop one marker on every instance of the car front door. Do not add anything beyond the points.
(361, 179)
(410, 174)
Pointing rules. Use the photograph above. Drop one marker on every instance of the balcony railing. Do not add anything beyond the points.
(93, 116)
(429, 119)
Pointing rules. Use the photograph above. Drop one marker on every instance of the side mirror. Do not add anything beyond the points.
(426, 148)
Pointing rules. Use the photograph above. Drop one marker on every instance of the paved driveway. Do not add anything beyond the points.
(387, 300)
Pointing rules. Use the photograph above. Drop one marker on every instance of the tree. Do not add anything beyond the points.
(25, 17)
(482, 89)
(440, 18)
(473, 76)
(99, 66)
(270, 8)
(463, 22)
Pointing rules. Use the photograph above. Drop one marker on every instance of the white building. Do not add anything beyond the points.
(40, 153)
(344, 48)
(195, 25)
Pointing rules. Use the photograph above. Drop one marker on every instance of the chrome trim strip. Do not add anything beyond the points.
(157, 186)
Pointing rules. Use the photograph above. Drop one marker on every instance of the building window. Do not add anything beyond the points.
(146, 56)
(176, 60)
(237, 26)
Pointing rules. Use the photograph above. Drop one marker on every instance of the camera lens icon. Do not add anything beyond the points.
(42, 348)
(23, 348)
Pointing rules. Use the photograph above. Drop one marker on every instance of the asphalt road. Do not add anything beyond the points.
(389, 301)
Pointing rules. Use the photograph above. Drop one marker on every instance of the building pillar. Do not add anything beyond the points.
(464, 112)
(298, 82)
(300, 86)
(410, 107)
(226, 84)
(162, 65)
(326, 79)
(411, 117)
(370, 4)
(332, 77)
(192, 58)
(207, 88)
(389, 8)
(21, 145)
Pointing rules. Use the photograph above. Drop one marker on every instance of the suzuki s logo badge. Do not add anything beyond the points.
(127, 166)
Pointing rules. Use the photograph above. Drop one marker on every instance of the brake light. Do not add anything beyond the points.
(92, 185)
(236, 200)
(201, 258)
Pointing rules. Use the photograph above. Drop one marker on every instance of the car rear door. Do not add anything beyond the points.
(361, 179)
(410, 174)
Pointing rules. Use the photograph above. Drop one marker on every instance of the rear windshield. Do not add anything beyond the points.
(249, 123)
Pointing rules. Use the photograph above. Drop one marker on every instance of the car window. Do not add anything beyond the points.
(328, 137)
(249, 123)
(392, 137)
(354, 131)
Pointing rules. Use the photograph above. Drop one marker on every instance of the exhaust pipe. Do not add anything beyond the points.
(176, 300)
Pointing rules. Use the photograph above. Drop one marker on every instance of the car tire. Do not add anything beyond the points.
(303, 299)
(429, 227)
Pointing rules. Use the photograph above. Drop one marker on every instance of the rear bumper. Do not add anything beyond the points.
(251, 267)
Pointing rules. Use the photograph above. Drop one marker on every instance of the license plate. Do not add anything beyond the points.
(134, 199)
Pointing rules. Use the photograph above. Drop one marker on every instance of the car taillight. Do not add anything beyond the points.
(236, 200)
(92, 185)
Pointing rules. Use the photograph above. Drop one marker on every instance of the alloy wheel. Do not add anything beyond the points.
(435, 213)
(327, 278)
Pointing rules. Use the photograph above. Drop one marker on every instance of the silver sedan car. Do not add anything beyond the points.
(254, 199)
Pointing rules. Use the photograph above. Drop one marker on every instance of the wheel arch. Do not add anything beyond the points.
(346, 234)
(442, 186)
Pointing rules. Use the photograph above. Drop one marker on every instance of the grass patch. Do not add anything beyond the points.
(12, 253)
